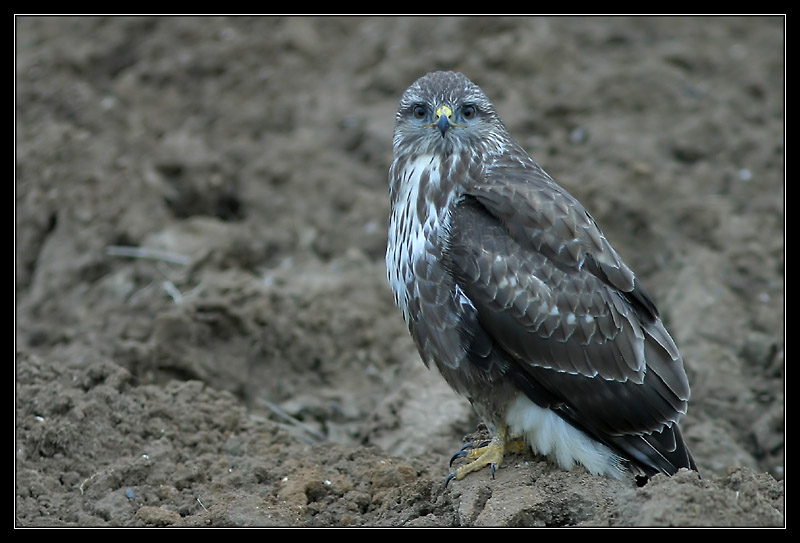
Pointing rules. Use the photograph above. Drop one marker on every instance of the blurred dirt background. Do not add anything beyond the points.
(204, 333)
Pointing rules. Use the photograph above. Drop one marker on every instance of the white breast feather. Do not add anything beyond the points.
(413, 235)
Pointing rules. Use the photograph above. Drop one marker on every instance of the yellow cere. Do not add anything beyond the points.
(444, 110)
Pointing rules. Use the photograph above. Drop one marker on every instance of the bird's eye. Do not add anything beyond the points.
(469, 111)
(419, 111)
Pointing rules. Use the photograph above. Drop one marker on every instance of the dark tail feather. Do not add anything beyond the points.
(658, 452)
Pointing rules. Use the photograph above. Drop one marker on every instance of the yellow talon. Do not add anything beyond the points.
(490, 454)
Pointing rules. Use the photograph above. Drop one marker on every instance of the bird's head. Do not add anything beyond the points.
(444, 112)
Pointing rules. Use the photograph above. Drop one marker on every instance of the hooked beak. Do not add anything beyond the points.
(443, 114)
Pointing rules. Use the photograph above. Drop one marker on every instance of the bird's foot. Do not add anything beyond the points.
(480, 454)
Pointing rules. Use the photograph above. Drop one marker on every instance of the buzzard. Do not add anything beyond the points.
(510, 289)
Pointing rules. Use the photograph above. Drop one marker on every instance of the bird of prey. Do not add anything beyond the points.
(511, 290)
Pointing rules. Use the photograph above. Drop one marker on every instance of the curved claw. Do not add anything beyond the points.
(487, 453)
(460, 454)
(465, 450)
(454, 474)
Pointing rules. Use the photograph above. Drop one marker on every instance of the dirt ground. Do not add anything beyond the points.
(204, 331)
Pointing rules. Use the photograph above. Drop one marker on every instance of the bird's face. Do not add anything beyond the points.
(451, 118)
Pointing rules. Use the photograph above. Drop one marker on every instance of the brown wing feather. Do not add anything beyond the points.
(559, 301)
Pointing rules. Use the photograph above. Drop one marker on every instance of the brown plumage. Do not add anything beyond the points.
(511, 290)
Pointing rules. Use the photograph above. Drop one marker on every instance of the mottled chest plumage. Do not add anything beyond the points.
(417, 227)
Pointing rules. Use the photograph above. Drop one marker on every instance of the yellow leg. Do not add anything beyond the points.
(489, 453)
